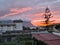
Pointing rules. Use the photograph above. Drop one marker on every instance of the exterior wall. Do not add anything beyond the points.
(0, 29)
(4, 28)
(10, 28)
(19, 26)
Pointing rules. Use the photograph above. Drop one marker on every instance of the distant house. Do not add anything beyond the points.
(11, 26)
(49, 27)
(33, 27)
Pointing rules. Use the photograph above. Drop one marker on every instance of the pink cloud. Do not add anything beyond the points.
(15, 11)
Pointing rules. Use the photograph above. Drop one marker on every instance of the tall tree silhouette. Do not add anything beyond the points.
(47, 16)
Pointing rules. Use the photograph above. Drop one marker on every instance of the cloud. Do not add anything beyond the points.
(56, 1)
(6, 4)
(16, 11)
(22, 8)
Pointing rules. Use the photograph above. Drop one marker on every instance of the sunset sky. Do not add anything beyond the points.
(31, 10)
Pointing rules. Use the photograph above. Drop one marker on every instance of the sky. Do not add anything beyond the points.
(31, 10)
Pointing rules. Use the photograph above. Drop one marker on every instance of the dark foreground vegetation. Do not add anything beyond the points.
(21, 40)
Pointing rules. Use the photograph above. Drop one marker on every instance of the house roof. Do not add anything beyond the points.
(17, 21)
(48, 38)
(28, 24)
(7, 24)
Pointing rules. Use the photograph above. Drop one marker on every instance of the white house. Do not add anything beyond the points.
(14, 25)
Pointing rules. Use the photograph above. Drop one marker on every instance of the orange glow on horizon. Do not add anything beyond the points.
(41, 23)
